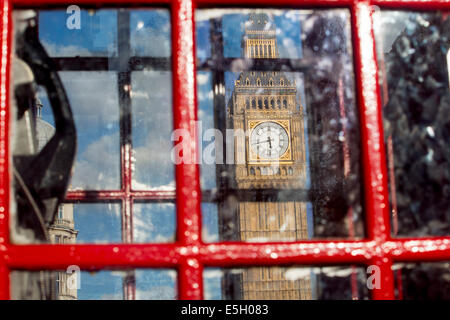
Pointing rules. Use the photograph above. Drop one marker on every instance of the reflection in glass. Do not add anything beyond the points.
(293, 283)
(154, 222)
(71, 284)
(94, 34)
(283, 160)
(156, 284)
(210, 223)
(422, 281)
(74, 284)
(95, 105)
(150, 33)
(151, 98)
(96, 222)
(413, 49)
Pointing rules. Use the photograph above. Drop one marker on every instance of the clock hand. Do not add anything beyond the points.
(259, 142)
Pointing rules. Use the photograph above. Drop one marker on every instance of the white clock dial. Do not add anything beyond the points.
(269, 140)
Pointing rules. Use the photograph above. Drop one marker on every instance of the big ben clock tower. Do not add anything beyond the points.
(271, 156)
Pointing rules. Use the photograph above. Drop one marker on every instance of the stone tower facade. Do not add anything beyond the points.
(271, 155)
(62, 231)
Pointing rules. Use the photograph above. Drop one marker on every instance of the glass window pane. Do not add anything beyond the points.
(152, 128)
(84, 33)
(105, 76)
(279, 129)
(293, 283)
(96, 222)
(156, 284)
(101, 285)
(73, 284)
(150, 33)
(95, 105)
(422, 281)
(413, 50)
(86, 223)
(154, 222)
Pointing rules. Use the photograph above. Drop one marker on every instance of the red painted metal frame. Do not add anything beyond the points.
(189, 254)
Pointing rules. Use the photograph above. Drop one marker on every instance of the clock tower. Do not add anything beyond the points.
(269, 157)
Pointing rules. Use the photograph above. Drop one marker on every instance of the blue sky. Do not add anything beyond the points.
(94, 100)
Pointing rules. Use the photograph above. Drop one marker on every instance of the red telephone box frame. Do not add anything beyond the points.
(189, 254)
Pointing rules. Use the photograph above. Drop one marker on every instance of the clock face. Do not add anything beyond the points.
(269, 140)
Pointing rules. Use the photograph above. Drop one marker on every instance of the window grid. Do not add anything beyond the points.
(189, 254)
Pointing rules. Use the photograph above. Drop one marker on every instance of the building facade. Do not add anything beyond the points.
(62, 230)
(269, 157)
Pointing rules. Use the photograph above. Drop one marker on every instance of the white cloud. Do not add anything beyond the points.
(152, 128)
(203, 78)
(157, 293)
(209, 235)
(148, 222)
(93, 97)
(111, 296)
(305, 272)
(98, 167)
(206, 14)
(57, 50)
(147, 41)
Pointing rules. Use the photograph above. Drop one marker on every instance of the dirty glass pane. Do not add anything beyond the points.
(79, 223)
(151, 99)
(88, 85)
(85, 33)
(210, 223)
(278, 124)
(413, 50)
(150, 33)
(96, 222)
(95, 102)
(73, 284)
(154, 222)
(422, 281)
(156, 284)
(95, 106)
(292, 283)
(86, 223)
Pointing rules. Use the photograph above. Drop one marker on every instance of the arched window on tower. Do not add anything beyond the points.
(253, 103)
(260, 103)
(247, 82)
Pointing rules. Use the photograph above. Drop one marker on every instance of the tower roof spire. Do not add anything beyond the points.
(259, 39)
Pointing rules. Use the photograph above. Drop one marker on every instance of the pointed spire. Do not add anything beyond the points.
(39, 106)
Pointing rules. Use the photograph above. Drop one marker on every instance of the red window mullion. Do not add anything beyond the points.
(373, 156)
(413, 4)
(188, 193)
(5, 66)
